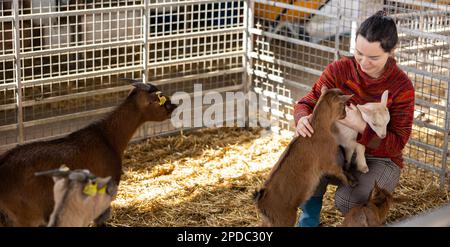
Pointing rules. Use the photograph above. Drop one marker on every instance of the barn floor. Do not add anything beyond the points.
(206, 178)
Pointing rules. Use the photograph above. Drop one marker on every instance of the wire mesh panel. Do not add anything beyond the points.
(195, 43)
(295, 40)
(65, 57)
(71, 53)
(77, 50)
(423, 52)
(8, 113)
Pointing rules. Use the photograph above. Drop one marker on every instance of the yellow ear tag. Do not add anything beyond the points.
(162, 99)
(102, 190)
(90, 189)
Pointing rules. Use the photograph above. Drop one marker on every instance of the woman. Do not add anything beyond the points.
(371, 71)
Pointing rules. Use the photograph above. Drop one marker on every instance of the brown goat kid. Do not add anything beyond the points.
(80, 197)
(374, 212)
(26, 200)
(297, 173)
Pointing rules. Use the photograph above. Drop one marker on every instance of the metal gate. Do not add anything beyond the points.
(60, 59)
(295, 40)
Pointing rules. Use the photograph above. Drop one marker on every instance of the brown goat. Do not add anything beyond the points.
(374, 212)
(80, 196)
(26, 200)
(297, 173)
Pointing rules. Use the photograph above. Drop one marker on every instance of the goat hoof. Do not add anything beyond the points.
(364, 169)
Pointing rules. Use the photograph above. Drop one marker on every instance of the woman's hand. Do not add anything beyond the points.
(354, 119)
(304, 127)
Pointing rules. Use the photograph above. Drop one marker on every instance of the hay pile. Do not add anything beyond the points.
(206, 178)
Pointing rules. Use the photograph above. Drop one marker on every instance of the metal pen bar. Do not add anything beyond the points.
(184, 3)
(18, 75)
(82, 48)
(85, 75)
(432, 218)
(196, 59)
(291, 40)
(294, 7)
(77, 12)
(232, 30)
(285, 63)
(145, 46)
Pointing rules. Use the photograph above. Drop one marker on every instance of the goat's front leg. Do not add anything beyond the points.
(361, 164)
(348, 157)
(348, 153)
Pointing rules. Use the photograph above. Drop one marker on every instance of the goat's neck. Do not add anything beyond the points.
(76, 220)
(320, 119)
(121, 124)
(68, 215)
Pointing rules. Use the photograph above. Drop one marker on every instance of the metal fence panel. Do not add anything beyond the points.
(70, 53)
(295, 40)
(65, 57)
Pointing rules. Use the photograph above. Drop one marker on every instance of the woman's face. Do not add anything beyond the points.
(370, 56)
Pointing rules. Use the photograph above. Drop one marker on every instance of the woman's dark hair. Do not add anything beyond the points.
(381, 28)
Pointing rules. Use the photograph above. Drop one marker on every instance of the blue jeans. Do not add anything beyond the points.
(310, 216)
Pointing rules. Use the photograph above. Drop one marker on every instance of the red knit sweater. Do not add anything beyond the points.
(347, 75)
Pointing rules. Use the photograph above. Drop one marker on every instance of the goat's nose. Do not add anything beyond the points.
(383, 136)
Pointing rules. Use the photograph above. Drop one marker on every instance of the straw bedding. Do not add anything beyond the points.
(206, 178)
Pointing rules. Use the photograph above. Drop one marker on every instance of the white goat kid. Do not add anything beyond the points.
(376, 115)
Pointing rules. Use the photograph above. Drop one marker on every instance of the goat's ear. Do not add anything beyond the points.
(57, 178)
(384, 97)
(153, 97)
(137, 83)
(102, 182)
(323, 89)
(363, 109)
(152, 88)
(345, 98)
(141, 86)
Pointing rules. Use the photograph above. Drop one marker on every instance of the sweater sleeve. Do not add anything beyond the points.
(398, 130)
(304, 106)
